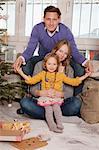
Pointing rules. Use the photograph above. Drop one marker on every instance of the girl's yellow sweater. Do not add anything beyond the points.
(53, 80)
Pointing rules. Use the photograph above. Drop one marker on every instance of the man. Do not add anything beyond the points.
(45, 35)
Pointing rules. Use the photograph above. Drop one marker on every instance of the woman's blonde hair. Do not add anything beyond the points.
(58, 46)
(46, 59)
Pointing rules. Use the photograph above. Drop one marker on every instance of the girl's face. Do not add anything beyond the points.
(62, 52)
(51, 64)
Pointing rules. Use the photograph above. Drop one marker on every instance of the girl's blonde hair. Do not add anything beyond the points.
(46, 59)
(58, 46)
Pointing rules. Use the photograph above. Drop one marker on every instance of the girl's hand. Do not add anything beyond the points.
(43, 93)
(58, 94)
(47, 93)
(25, 77)
(19, 70)
(55, 94)
(87, 74)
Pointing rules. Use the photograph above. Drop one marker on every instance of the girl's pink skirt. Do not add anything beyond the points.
(46, 101)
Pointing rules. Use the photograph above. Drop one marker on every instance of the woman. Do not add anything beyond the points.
(52, 78)
(71, 104)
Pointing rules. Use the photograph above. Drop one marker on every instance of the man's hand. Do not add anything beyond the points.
(17, 64)
(89, 67)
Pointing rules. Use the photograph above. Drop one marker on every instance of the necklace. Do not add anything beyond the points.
(51, 81)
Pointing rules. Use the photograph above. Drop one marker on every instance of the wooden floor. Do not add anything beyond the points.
(77, 134)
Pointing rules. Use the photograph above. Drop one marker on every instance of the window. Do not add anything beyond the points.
(22, 16)
(85, 18)
(34, 12)
(7, 13)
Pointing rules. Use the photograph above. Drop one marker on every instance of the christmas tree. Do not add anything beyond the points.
(11, 85)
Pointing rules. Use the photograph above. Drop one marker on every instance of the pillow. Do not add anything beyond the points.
(90, 104)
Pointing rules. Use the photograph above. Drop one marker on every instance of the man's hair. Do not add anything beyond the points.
(52, 9)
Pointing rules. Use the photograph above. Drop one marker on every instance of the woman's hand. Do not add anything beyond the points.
(87, 74)
(59, 94)
(51, 93)
(43, 93)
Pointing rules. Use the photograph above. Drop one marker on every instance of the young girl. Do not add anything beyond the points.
(52, 79)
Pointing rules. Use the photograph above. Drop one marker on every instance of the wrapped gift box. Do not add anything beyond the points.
(29, 144)
(11, 135)
(13, 131)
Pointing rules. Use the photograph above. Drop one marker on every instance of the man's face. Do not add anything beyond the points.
(51, 21)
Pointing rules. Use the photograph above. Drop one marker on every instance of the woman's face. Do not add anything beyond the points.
(62, 52)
